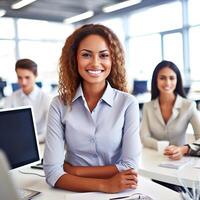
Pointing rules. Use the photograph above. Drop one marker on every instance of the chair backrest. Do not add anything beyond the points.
(139, 86)
(186, 89)
(16, 86)
(2, 85)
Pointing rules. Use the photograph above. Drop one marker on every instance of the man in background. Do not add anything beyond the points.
(30, 94)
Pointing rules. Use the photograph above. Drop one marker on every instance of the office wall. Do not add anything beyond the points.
(168, 31)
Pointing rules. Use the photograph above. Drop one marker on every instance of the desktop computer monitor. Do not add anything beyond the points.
(139, 86)
(18, 137)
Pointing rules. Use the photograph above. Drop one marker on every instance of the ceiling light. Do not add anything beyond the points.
(21, 4)
(2, 12)
(121, 5)
(80, 17)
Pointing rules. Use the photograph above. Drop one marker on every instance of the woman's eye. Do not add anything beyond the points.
(105, 55)
(172, 78)
(86, 55)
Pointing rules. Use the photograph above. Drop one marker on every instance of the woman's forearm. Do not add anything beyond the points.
(79, 184)
(119, 182)
(91, 172)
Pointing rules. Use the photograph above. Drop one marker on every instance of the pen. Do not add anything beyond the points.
(123, 197)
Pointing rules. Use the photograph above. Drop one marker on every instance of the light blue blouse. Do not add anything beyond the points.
(109, 135)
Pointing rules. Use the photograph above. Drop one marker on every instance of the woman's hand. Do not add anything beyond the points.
(175, 153)
(123, 180)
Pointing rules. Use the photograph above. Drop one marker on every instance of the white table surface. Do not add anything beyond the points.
(47, 193)
(150, 168)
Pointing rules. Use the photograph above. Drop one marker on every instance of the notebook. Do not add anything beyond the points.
(175, 164)
(197, 164)
(7, 186)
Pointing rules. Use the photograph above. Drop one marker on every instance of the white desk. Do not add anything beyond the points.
(149, 168)
(38, 183)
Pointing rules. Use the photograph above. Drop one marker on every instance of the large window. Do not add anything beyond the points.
(193, 8)
(7, 48)
(157, 19)
(168, 31)
(43, 30)
(194, 34)
(7, 59)
(173, 49)
(45, 54)
(194, 39)
(116, 24)
(41, 41)
(146, 47)
(144, 54)
(7, 30)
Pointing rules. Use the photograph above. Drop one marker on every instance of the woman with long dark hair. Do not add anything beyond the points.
(167, 115)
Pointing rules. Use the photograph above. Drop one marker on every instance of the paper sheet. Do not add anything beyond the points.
(197, 164)
(175, 164)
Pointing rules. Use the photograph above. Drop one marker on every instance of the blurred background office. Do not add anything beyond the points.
(150, 30)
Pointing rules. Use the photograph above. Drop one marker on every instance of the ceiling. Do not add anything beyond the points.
(58, 10)
(54, 10)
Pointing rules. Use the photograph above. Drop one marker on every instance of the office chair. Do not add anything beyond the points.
(16, 86)
(2, 86)
(139, 86)
(39, 84)
(186, 89)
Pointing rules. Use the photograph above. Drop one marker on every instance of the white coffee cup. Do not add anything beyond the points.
(161, 145)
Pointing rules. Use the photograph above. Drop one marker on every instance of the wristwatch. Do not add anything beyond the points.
(194, 149)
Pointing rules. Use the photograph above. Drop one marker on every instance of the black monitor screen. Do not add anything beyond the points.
(18, 137)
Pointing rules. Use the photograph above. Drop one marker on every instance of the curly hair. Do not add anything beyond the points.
(69, 78)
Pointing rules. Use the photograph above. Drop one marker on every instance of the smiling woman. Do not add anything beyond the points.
(103, 150)
(167, 116)
(94, 61)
